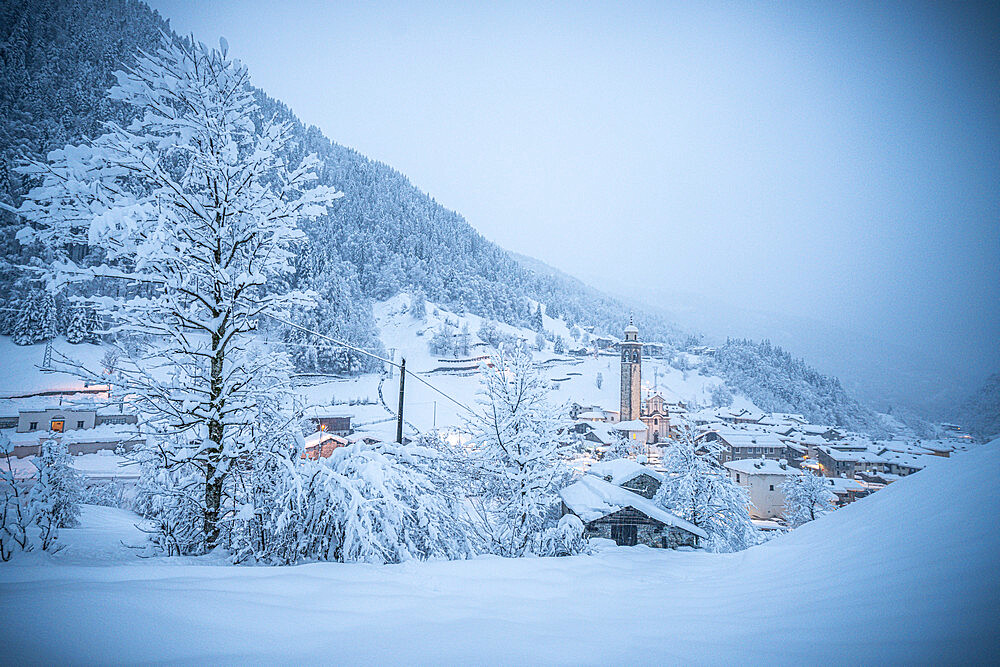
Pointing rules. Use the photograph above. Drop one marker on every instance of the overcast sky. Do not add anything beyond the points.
(835, 161)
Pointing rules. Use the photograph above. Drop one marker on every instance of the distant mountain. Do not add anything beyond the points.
(980, 413)
(383, 237)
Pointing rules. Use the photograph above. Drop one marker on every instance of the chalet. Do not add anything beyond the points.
(604, 342)
(615, 513)
(321, 445)
(329, 419)
(599, 433)
(630, 475)
(763, 479)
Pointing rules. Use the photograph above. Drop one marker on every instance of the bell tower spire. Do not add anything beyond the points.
(631, 373)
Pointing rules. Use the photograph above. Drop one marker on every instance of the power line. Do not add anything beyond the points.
(374, 356)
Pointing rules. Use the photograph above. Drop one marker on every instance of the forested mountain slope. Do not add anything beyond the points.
(57, 61)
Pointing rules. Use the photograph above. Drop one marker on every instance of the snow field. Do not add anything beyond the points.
(905, 575)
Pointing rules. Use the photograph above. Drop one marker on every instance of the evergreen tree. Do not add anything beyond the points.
(418, 305)
(37, 320)
(559, 346)
(53, 501)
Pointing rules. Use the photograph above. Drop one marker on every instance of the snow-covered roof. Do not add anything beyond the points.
(840, 455)
(108, 433)
(319, 437)
(761, 467)
(621, 471)
(590, 415)
(750, 439)
(591, 498)
(603, 431)
(842, 484)
(633, 425)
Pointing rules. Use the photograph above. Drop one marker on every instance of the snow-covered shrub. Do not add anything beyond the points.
(622, 447)
(169, 495)
(806, 498)
(697, 488)
(54, 499)
(566, 538)
(107, 494)
(14, 517)
(365, 503)
(517, 455)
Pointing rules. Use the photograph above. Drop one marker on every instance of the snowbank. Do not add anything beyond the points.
(905, 575)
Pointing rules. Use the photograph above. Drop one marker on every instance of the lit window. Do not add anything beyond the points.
(58, 425)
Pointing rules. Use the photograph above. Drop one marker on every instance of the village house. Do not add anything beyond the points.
(746, 444)
(321, 445)
(630, 475)
(846, 490)
(615, 513)
(87, 425)
(329, 419)
(763, 479)
(836, 463)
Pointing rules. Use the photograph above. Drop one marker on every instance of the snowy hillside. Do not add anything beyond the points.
(905, 575)
(572, 379)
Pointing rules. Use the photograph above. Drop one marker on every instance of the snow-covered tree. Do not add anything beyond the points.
(559, 346)
(540, 341)
(193, 206)
(37, 320)
(622, 447)
(14, 518)
(365, 503)
(806, 498)
(517, 455)
(697, 488)
(418, 305)
(53, 501)
(489, 333)
(83, 326)
(537, 319)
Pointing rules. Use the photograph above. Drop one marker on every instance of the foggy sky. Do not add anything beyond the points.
(838, 162)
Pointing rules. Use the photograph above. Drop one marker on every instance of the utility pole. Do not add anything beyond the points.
(399, 413)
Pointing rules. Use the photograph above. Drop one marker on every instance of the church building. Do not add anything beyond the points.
(653, 414)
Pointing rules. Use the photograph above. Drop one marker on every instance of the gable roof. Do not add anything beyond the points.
(621, 471)
(591, 498)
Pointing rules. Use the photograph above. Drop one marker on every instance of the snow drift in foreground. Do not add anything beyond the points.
(907, 574)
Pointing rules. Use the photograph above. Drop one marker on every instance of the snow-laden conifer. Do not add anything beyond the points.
(697, 488)
(806, 498)
(517, 455)
(193, 208)
(54, 499)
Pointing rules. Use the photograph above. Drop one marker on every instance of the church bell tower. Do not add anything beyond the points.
(631, 373)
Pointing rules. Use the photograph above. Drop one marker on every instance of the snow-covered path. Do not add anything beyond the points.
(908, 574)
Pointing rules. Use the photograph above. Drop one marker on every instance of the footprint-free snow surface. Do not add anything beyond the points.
(906, 575)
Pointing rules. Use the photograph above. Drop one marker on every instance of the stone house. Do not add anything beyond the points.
(630, 475)
(615, 513)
